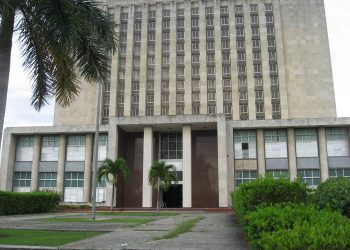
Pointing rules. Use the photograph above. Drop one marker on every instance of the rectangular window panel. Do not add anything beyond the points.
(337, 141)
(245, 144)
(245, 176)
(275, 144)
(310, 176)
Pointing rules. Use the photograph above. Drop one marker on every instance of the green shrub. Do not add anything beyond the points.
(267, 191)
(334, 194)
(27, 203)
(297, 227)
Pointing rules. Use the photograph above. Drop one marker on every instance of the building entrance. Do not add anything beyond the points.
(173, 197)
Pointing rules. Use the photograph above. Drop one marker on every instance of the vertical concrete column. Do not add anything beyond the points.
(187, 166)
(158, 61)
(88, 167)
(230, 162)
(222, 161)
(7, 160)
(249, 62)
(143, 61)
(172, 59)
(35, 163)
(129, 61)
(188, 59)
(112, 153)
(202, 57)
(147, 162)
(114, 70)
(322, 149)
(234, 73)
(261, 152)
(283, 88)
(292, 159)
(61, 162)
(218, 59)
(265, 62)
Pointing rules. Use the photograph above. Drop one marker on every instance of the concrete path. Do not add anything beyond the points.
(218, 231)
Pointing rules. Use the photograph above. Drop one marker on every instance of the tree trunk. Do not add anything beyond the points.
(158, 195)
(6, 32)
(112, 202)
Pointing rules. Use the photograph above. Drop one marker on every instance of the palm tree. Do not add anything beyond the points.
(161, 175)
(62, 41)
(111, 169)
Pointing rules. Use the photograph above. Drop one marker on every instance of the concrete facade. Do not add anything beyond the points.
(208, 86)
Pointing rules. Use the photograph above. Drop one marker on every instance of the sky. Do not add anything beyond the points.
(19, 112)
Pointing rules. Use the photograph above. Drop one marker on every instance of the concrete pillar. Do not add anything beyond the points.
(112, 153)
(261, 152)
(222, 161)
(143, 61)
(292, 160)
(172, 59)
(7, 160)
(147, 162)
(187, 166)
(218, 59)
(35, 163)
(88, 167)
(61, 163)
(202, 55)
(129, 61)
(158, 61)
(230, 163)
(322, 149)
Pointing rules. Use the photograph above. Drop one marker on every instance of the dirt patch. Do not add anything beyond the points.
(4, 236)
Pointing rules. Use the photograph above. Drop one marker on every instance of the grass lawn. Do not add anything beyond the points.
(42, 237)
(117, 220)
(142, 214)
(182, 228)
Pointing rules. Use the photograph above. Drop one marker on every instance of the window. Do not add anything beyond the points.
(152, 14)
(166, 24)
(225, 44)
(256, 55)
(166, 13)
(195, 58)
(194, 23)
(49, 148)
(224, 20)
(225, 33)
(227, 108)
(180, 12)
(209, 11)
(243, 109)
(210, 21)
(211, 109)
(273, 67)
(227, 96)
(135, 86)
(138, 26)
(195, 71)
(47, 180)
(210, 34)
(165, 36)
(124, 16)
(226, 70)
(226, 57)
(278, 174)
(123, 38)
(180, 72)
(150, 60)
(224, 10)
(211, 96)
(135, 99)
(149, 111)
(136, 74)
(310, 176)
(245, 144)
(152, 25)
(258, 81)
(151, 48)
(124, 27)
(270, 31)
(150, 85)
(165, 98)
(195, 46)
(241, 69)
(243, 95)
(180, 23)
(165, 110)
(226, 83)
(256, 43)
(195, 110)
(137, 61)
(245, 176)
(74, 183)
(254, 19)
(180, 35)
(272, 55)
(271, 43)
(268, 7)
(242, 82)
(150, 98)
(238, 8)
(269, 19)
(138, 15)
(76, 148)
(274, 94)
(194, 11)
(165, 73)
(21, 181)
(240, 32)
(180, 98)
(257, 68)
(255, 31)
(150, 73)
(239, 20)
(337, 142)
(180, 47)
(180, 110)
(210, 58)
(134, 111)
(170, 146)
(253, 8)
(259, 95)
(195, 97)
(241, 56)
(340, 172)
(137, 49)
(211, 70)
(195, 84)
(165, 60)
(275, 108)
(306, 142)
(165, 48)
(195, 34)
(181, 59)
(120, 99)
(165, 85)
(240, 44)
(211, 84)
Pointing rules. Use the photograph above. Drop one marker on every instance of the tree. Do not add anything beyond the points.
(62, 41)
(161, 175)
(111, 169)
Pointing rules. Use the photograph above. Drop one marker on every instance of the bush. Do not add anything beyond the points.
(267, 191)
(334, 194)
(27, 203)
(297, 227)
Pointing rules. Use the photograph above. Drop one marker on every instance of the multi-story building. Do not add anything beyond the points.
(226, 90)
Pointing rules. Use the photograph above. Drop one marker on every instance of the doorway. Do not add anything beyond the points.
(173, 197)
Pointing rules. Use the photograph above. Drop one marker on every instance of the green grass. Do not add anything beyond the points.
(141, 214)
(118, 220)
(182, 228)
(42, 237)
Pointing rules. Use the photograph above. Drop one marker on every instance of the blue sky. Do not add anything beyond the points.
(20, 113)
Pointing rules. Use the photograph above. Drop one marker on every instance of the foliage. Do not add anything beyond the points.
(267, 191)
(27, 203)
(165, 173)
(297, 227)
(334, 194)
(110, 169)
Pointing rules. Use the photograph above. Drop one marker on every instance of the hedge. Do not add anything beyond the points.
(267, 191)
(297, 227)
(27, 203)
(333, 194)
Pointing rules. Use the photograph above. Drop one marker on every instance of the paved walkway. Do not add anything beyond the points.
(218, 231)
